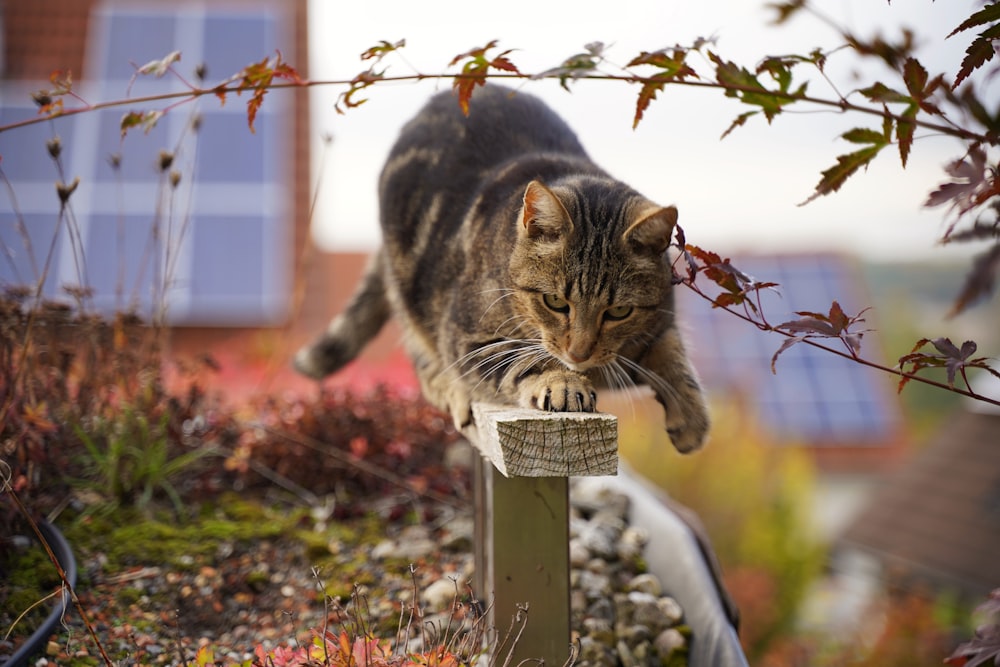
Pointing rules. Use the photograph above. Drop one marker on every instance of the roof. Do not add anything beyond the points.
(938, 517)
(848, 414)
(43, 36)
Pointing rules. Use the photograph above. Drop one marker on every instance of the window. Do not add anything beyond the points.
(215, 248)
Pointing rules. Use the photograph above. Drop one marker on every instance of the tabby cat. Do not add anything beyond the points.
(520, 272)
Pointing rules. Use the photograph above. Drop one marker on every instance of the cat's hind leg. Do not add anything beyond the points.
(350, 331)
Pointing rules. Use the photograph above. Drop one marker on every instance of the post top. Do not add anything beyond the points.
(531, 443)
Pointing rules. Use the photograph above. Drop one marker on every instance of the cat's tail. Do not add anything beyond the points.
(350, 331)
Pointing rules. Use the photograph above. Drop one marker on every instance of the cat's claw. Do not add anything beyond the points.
(559, 391)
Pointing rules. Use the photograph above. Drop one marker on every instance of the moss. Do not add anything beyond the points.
(29, 578)
(258, 580)
(86, 661)
(33, 568)
(129, 538)
(129, 596)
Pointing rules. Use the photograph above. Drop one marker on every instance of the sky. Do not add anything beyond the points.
(741, 194)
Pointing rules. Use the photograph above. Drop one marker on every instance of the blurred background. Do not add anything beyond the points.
(853, 523)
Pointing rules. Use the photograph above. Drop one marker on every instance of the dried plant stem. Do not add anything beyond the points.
(60, 571)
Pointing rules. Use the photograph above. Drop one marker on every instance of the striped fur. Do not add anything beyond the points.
(520, 271)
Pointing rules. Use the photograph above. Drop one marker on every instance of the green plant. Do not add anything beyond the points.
(128, 459)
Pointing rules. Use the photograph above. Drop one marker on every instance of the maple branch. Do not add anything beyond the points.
(763, 326)
(222, 90)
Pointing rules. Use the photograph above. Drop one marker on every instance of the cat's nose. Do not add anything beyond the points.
(580, 346)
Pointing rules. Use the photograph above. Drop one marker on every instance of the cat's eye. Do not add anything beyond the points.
(617, 312)
(556, 303)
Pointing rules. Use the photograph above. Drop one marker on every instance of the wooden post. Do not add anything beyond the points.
(521, 490)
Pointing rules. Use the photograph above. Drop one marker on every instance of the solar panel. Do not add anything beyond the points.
(816, 397)
(217, 245)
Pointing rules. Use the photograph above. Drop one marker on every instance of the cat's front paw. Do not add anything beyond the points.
(688, 436)
(558, 391)
(686, 418)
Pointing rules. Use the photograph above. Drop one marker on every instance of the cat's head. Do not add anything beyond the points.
(591, 270)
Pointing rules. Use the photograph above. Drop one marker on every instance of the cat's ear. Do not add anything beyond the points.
(543, 216)
(653, 230)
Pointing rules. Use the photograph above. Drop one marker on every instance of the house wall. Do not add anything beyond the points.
(44, 36)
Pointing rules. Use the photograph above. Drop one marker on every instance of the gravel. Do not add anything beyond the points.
(267, 593)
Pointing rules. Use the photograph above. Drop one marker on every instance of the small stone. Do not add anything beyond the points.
(625, 654)
(599, 629)
(458, 534)
(635, 634)
(594, 585)
(596, 654)
(577, 600)
(624, 608)
(646, 611)
(439, 595)
(645, 583)
(671, 609)
(597, 566)
(669, 641)
(590, 498)
(415, 544)
(601, 609)
(632, 543)
(643, 651)
(384, 549)
(601, 534)
(579, 554)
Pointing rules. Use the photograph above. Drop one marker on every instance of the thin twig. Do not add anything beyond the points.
(852, 357)
(59, 570)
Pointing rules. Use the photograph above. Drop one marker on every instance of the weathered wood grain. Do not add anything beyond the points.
(531, 443)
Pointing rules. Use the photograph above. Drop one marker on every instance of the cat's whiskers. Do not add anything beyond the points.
(494, 361)
(658, 384)
(507, 291)
(489, 349)
(526, 355)
(516, 321)
(497, 353)
(532, 356)
(618, 380)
